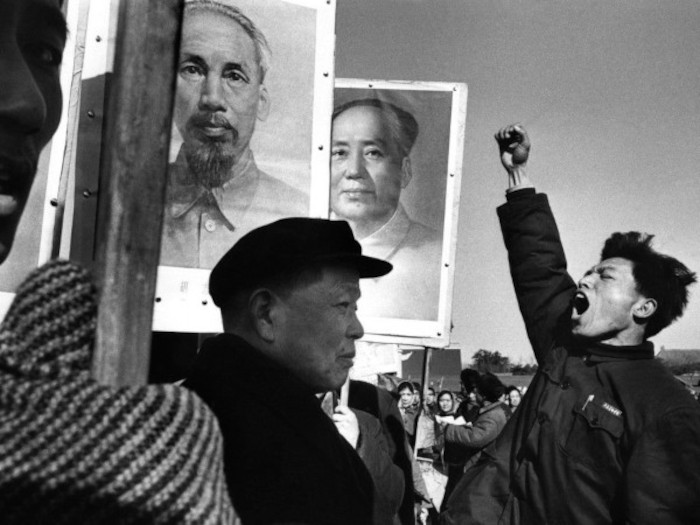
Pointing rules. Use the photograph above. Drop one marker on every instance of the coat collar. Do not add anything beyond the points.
(235, 361)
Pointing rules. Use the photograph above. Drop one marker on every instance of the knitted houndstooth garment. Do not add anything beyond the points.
(74, 451)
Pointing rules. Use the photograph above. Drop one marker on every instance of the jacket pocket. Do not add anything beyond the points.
(594, 435)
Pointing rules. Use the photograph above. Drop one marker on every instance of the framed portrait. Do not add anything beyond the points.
(248, 148)
(395, 172)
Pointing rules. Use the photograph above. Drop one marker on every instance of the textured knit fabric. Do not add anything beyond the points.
(74, 451)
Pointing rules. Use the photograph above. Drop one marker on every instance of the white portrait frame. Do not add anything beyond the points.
(182, 302)
(435, 331)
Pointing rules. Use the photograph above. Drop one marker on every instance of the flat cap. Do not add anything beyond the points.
(287, 245)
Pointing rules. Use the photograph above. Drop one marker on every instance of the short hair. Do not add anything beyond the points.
(469, 378)
(490, 387)
(431, 389)
(263, 54)
(406, 384)
(402, 125)
(657, 276)
(282, 283)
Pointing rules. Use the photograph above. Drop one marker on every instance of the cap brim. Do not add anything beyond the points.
(366, 266)
(371, 267)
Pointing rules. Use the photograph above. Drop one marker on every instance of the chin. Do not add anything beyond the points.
(5, 248)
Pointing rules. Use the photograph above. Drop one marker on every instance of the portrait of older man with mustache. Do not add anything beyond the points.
(216, 193)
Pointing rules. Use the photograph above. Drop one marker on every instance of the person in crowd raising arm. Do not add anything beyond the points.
(602, 421)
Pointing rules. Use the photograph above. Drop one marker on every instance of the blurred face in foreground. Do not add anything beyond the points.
(32, 38)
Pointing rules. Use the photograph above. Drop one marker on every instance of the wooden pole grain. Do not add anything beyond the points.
(132, 186)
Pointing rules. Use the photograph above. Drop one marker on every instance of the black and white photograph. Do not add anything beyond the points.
(349, 262)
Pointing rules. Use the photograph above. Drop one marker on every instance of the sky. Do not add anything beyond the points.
(608, 92)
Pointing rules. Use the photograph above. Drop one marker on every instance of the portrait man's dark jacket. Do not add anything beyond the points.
(605, 434)
(284, 459)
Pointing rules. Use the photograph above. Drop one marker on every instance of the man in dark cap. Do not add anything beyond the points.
(288, 295)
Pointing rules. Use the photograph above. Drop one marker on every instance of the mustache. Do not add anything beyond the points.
(202, 120)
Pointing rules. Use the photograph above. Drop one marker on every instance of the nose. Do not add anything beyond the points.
(22, 105)
(355, 329)
(355, 168)
(211, 97)
(586, 281)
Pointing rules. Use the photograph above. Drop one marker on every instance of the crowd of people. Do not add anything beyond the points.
(447, 429)
(602, 421)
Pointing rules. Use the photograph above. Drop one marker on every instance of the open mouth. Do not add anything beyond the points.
(13, 173)
(580, 303)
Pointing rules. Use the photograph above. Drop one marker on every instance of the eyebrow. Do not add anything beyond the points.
(371, 142)
(606, 267)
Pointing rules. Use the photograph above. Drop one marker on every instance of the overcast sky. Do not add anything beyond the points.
(609, 93)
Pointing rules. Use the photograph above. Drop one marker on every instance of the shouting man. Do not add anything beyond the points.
(605, 433)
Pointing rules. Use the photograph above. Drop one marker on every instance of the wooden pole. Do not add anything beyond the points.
(425, 375)
(132, 186)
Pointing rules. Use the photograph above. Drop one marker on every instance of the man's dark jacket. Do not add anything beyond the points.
(382, 405)
(604, 434)
(284, 459)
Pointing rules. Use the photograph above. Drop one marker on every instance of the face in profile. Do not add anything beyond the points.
(430, 397)
(220, 94)
(367, 171)
(606, 301)
(32, 38)
(319, 327)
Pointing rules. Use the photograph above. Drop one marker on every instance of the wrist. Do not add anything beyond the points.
(518, 179)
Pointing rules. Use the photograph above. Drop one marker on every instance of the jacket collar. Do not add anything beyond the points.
(490, 407)
(234, 361)
(600, 352)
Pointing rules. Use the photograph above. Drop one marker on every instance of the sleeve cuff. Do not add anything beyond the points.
(518, 193)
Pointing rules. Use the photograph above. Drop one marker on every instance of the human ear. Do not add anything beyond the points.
(644, 308)
(264, 103)
(261, 308)
(406, 172)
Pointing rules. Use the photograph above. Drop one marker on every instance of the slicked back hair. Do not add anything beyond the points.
(403, 126)
(262, 48)
(658, 276)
